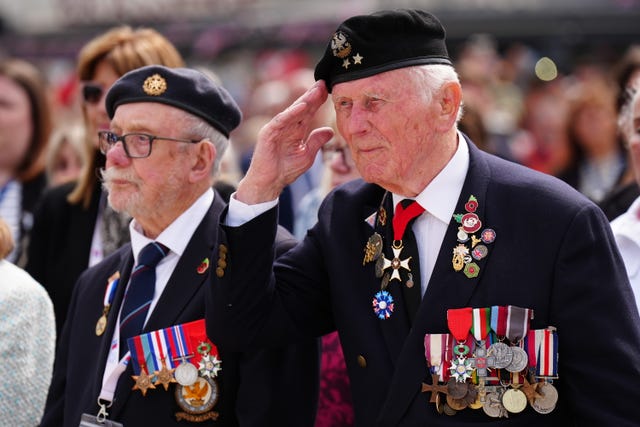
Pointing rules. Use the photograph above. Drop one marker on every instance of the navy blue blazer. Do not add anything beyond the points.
(553, 253)
(254, 386)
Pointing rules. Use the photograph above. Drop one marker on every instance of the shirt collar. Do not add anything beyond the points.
(177, 235)
(440, 197)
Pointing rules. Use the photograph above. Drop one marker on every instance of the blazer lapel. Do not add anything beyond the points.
(447, 289)
(396, 327)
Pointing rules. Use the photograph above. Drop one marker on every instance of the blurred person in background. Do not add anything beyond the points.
(335, 405)
(66, 154)
(626, 227)
(74, 228)
(541, 141)
(25, 126)
(627, 76)
(27, 341)
(597, 157)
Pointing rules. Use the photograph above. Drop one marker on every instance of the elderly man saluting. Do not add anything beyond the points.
(134, 350)
(466, 289)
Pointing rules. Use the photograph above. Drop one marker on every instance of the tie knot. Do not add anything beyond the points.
(151, 254)
(406, 210)
(405, 203)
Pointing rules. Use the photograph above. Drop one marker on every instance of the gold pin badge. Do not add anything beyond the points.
(154, 85)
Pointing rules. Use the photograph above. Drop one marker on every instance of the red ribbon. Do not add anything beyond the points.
(459, 321)
(402, 216)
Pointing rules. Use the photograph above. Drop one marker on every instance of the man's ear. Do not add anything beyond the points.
(450, 97)
(203, 161)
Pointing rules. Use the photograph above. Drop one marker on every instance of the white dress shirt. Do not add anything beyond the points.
(626, 230)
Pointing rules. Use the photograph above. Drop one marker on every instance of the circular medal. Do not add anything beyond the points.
(519, 361)
(101, 325)
(488, 235)
(448, 410)
(477, 403)
(479, 252)
(456, 404)
(456, 390)
(492, 405)
(199, 397)
(439, 404)
(186, 374)
(514, 400)
(471, 223)
(547, 402)
(502, 355)
(462, 236)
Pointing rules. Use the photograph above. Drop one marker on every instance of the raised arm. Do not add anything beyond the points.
(285, 149)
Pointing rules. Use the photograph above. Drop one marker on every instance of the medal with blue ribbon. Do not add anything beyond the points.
(109, 293)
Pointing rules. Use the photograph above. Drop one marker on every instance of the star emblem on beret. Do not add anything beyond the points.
(357, 59)
(346, 63)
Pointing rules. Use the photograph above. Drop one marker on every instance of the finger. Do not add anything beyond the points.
(317, 138)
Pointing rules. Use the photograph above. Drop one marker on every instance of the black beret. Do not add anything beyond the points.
(184, 88)
(365, 45)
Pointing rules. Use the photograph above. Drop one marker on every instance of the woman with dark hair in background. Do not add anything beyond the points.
(74, 228)
(25, 125)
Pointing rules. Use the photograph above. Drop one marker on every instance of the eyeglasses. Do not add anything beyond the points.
(136, 145)
(92, 93)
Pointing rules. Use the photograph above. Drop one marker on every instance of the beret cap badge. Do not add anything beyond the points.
(154, 85)
(339, 45)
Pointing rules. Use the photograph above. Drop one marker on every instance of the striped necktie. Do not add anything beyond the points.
(140, 292)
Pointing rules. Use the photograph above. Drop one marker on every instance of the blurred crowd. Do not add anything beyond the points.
(568, 126)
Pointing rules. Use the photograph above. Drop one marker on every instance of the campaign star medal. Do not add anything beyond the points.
(470, 247)
(164, 376)
(143, 381)
(155, 85)
(112, 284)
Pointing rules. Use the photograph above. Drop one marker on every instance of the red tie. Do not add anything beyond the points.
(407, 211)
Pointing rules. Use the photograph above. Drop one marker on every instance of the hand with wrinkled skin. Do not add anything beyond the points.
(285, 149)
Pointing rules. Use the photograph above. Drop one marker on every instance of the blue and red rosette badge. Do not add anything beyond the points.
(383, 304)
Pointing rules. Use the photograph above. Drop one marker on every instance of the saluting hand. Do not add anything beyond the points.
(286, 148)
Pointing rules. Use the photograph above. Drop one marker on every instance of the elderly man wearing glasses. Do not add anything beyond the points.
(134, 350)
(74, 228)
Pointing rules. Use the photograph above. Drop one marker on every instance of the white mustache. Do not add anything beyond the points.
(111, 174)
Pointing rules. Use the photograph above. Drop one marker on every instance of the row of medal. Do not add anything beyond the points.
(498, 365)
(183, 355)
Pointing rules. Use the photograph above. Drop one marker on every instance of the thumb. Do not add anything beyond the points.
(319, 137)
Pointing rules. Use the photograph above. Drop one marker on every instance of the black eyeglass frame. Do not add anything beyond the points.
(108, 139)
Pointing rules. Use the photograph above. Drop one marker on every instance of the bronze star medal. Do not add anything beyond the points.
(396, 263)
(164, 376)
(143, 381)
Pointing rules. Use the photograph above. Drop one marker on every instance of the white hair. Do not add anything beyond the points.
(433, 76)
